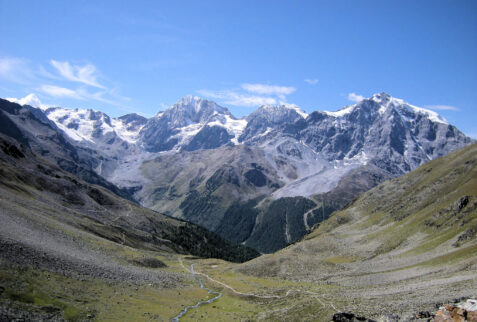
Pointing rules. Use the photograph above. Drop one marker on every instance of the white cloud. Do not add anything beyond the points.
(355, 97)
(79, 93)
(54, 80)
(238, 99)
(57, 91)
(251, 95)
(83, 74)
(30, 99)
(268, 89)
(311, 81)
(247, 100)
(443, 107)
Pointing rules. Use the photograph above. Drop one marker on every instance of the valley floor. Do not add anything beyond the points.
(43, 289)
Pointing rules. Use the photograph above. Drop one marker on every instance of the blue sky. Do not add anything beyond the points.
(142, 56)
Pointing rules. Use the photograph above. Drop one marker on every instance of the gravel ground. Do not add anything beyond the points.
(30, 240)
(11, 311)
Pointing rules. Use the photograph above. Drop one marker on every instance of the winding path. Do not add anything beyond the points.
(187, 308)
(316, 296)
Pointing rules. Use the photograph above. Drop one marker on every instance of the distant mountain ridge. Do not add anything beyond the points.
(409, 133)
(174, 162)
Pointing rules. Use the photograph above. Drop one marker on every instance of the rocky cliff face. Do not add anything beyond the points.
(190, 118)
(464, 311)
(33, 129)
(382, 130)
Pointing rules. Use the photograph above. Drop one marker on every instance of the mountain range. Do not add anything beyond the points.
(77, 245)
(262, 180)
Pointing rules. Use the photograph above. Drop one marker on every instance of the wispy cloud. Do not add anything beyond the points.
(57, 91)
(355, 97)
(78, 93)
(268, 89)
(236, 99)
(311, 81)
(53, 80)
(251, 94)
(86, 74)
(443, 107)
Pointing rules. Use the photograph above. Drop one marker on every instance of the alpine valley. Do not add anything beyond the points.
(282, 215)
(263, 180)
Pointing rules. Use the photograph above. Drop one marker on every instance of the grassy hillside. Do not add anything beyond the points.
(406, 245)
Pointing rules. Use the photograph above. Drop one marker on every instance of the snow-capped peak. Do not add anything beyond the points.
(342, 112)
(197, 104)
(280, 109)
(387, 101)
(191, 110)
(31, 99)
(297, 109)
(189, 100)
(87, 125)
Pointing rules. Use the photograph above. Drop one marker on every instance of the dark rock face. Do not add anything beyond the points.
(349, 317)
(156, 135)
(209, 137)
(394, 135)
(30, 127)
(11, 150)
(424, 315)
(8, 127)
(256, 177)
(133, 121)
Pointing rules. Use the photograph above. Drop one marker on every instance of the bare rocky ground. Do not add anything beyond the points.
(34, 244)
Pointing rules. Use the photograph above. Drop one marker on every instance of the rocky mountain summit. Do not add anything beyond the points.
(190, 124)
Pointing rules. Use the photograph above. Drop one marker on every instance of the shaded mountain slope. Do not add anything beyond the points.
(401, 247)
(32, 128)
(199, 186)
(31, 184)
(70, 250)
